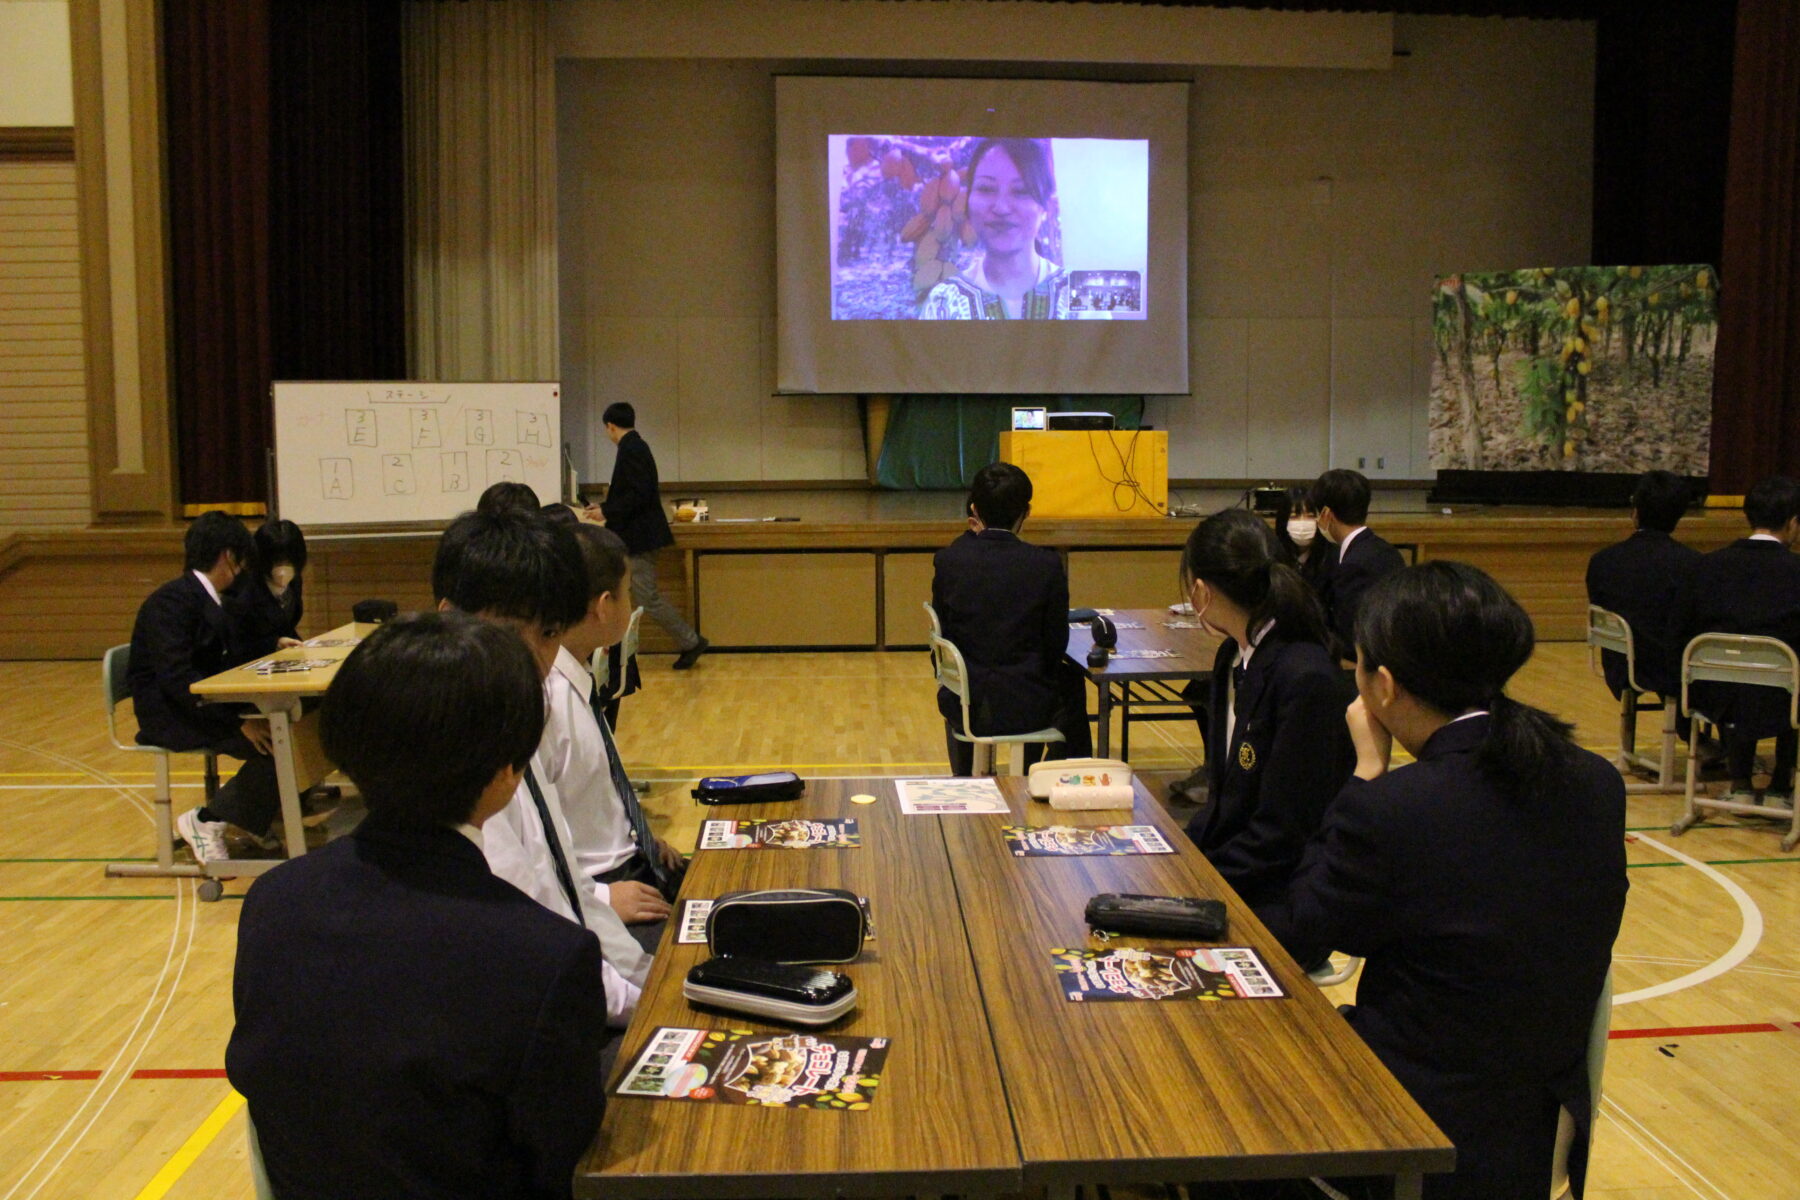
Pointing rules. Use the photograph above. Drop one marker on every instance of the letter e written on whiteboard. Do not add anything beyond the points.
(360, 428)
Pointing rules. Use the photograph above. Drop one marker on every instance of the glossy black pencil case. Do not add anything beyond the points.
(1158, 916)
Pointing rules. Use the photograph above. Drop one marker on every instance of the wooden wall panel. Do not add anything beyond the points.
(1124, 578)
(905, 588)
(749, 600)
(43, 411)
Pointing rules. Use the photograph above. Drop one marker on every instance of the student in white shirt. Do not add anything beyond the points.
(516, 569)
(616, 853)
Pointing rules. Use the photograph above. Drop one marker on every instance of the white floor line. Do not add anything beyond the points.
(1648, 1153)
(1748, 936)
(1617, 1109)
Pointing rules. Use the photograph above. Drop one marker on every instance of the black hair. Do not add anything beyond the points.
(507, 494)
(279, 542)
(559, 513)
(1344, 492)
(427, 710)
(511, 564)
(1660, 498)
(1236, 553)
(1032, 158)
(1292, 500)
(604, 555)
(620, 413)
(212, 534)
(1000, 495)
(1772, 503)
(1452, 637)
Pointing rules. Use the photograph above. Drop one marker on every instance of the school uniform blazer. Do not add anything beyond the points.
(410, 1026)
(1289, 754)
(260, 619)
(633, 505)
(1487, 920)
(180, 637)
(1005, 604)
(1365, 560)
(1645, 579)
(1751, 586)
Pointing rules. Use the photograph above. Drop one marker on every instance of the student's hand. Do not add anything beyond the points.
(637, 903)
(591, 512)
(257, 732)
(1374, 744)
(669, 856)
(288, 643)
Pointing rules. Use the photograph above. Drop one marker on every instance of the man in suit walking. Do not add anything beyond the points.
(633, 510)
(182, 636)
(1341, 500)
(1005, 604)
(1753, 586)
(1646, 579)
(408, 1024)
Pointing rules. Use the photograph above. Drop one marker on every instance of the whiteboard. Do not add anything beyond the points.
(368, 453)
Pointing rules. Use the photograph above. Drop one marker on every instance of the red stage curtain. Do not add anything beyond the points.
(1756, 404)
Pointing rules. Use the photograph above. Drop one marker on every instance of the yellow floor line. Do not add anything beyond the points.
(176, 1167)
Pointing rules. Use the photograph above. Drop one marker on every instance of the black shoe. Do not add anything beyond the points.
(691, 655)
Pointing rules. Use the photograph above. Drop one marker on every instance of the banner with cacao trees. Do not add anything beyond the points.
(1588, 369)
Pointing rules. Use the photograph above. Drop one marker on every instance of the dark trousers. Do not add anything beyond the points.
(1740, 755)
(253, 797)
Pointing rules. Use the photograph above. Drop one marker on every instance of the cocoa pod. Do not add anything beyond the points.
(928, 200)
(944, 225)
(909, 174)
(927, 249)
(914, 229)
(949, 185)
(890, 164)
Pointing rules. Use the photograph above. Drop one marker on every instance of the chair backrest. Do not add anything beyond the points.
(628, 648)
(1607, 630)
(937, 627)
(952, 675)
(1741, 658)
(115, 685)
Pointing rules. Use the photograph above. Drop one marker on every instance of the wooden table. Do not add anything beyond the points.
(939, 1122)
(278, 698)
(1143, 683)
(995, 1082)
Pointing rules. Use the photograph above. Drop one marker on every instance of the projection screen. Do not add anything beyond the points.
(981, 235)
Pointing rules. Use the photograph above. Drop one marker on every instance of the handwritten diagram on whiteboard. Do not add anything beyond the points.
(364, 453)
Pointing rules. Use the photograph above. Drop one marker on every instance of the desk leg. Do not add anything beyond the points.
(1409, 1186)
(1125, 721)
(1103, 734)
(282, 739)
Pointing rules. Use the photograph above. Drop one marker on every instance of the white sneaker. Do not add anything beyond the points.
(205, 838)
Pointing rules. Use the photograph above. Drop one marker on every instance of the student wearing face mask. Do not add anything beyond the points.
(1280, 749)
(1297, 527)
(266, 604)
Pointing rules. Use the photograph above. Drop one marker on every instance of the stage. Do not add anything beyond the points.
(850, 572)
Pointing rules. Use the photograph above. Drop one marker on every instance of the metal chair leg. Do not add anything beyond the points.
(1691, 811)
(162, 817)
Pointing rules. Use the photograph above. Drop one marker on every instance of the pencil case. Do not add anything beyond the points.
(794, 925)
(1157, 916)
(774, 991)
(749, 789)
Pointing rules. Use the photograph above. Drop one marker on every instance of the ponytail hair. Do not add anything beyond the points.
(1235, 552)
(1452, 637)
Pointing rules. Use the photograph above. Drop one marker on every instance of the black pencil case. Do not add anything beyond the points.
(794, 925)
(772, 991)
(749, 789)
(1157, 916)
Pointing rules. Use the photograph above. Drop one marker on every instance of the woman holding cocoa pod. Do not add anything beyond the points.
(1011, 194)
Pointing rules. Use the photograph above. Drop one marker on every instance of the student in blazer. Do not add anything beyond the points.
(633, 510)
(1646, 579)
(1005, 604)
(1483, 884)
(1276, 705)
(1752, 586)
(267, 602)
(1341, 500)
(409, 1025)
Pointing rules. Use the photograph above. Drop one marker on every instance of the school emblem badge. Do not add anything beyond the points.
(1247, 756)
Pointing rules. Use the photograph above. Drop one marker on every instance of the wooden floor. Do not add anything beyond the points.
(115, 995)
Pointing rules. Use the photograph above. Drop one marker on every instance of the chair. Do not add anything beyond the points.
(1608, 631)
(1740, 659)
(114, 687)
(1333, 973)
(259, 1175)
(1596, 1064)
(937, 627)
(628, 648)
(953, 676)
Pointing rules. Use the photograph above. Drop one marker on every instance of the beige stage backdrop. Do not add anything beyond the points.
(1324, 201)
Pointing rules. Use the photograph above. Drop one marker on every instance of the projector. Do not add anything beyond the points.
(1079, 420)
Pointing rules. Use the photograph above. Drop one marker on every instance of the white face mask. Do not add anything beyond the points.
(1302, 530)
(280, 577)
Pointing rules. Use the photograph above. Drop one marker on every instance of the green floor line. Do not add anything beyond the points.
(1722, 862)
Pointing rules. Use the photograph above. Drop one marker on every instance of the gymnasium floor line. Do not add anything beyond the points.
(197, 1142)
(88, 1076)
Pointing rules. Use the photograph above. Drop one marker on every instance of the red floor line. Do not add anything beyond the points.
(45, 1076)
(144, 1073)
(1674, 1031)
(179, 1073)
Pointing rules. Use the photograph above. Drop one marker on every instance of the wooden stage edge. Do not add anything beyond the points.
(850, 573)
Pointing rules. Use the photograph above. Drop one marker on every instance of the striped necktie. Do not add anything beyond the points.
(563, 875)
(634, 811)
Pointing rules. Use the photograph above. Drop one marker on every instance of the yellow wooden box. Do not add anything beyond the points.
(1090, 473)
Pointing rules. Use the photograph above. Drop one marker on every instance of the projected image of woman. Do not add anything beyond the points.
(1012, 193)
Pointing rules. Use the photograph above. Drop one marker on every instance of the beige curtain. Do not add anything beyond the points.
(480, 95)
